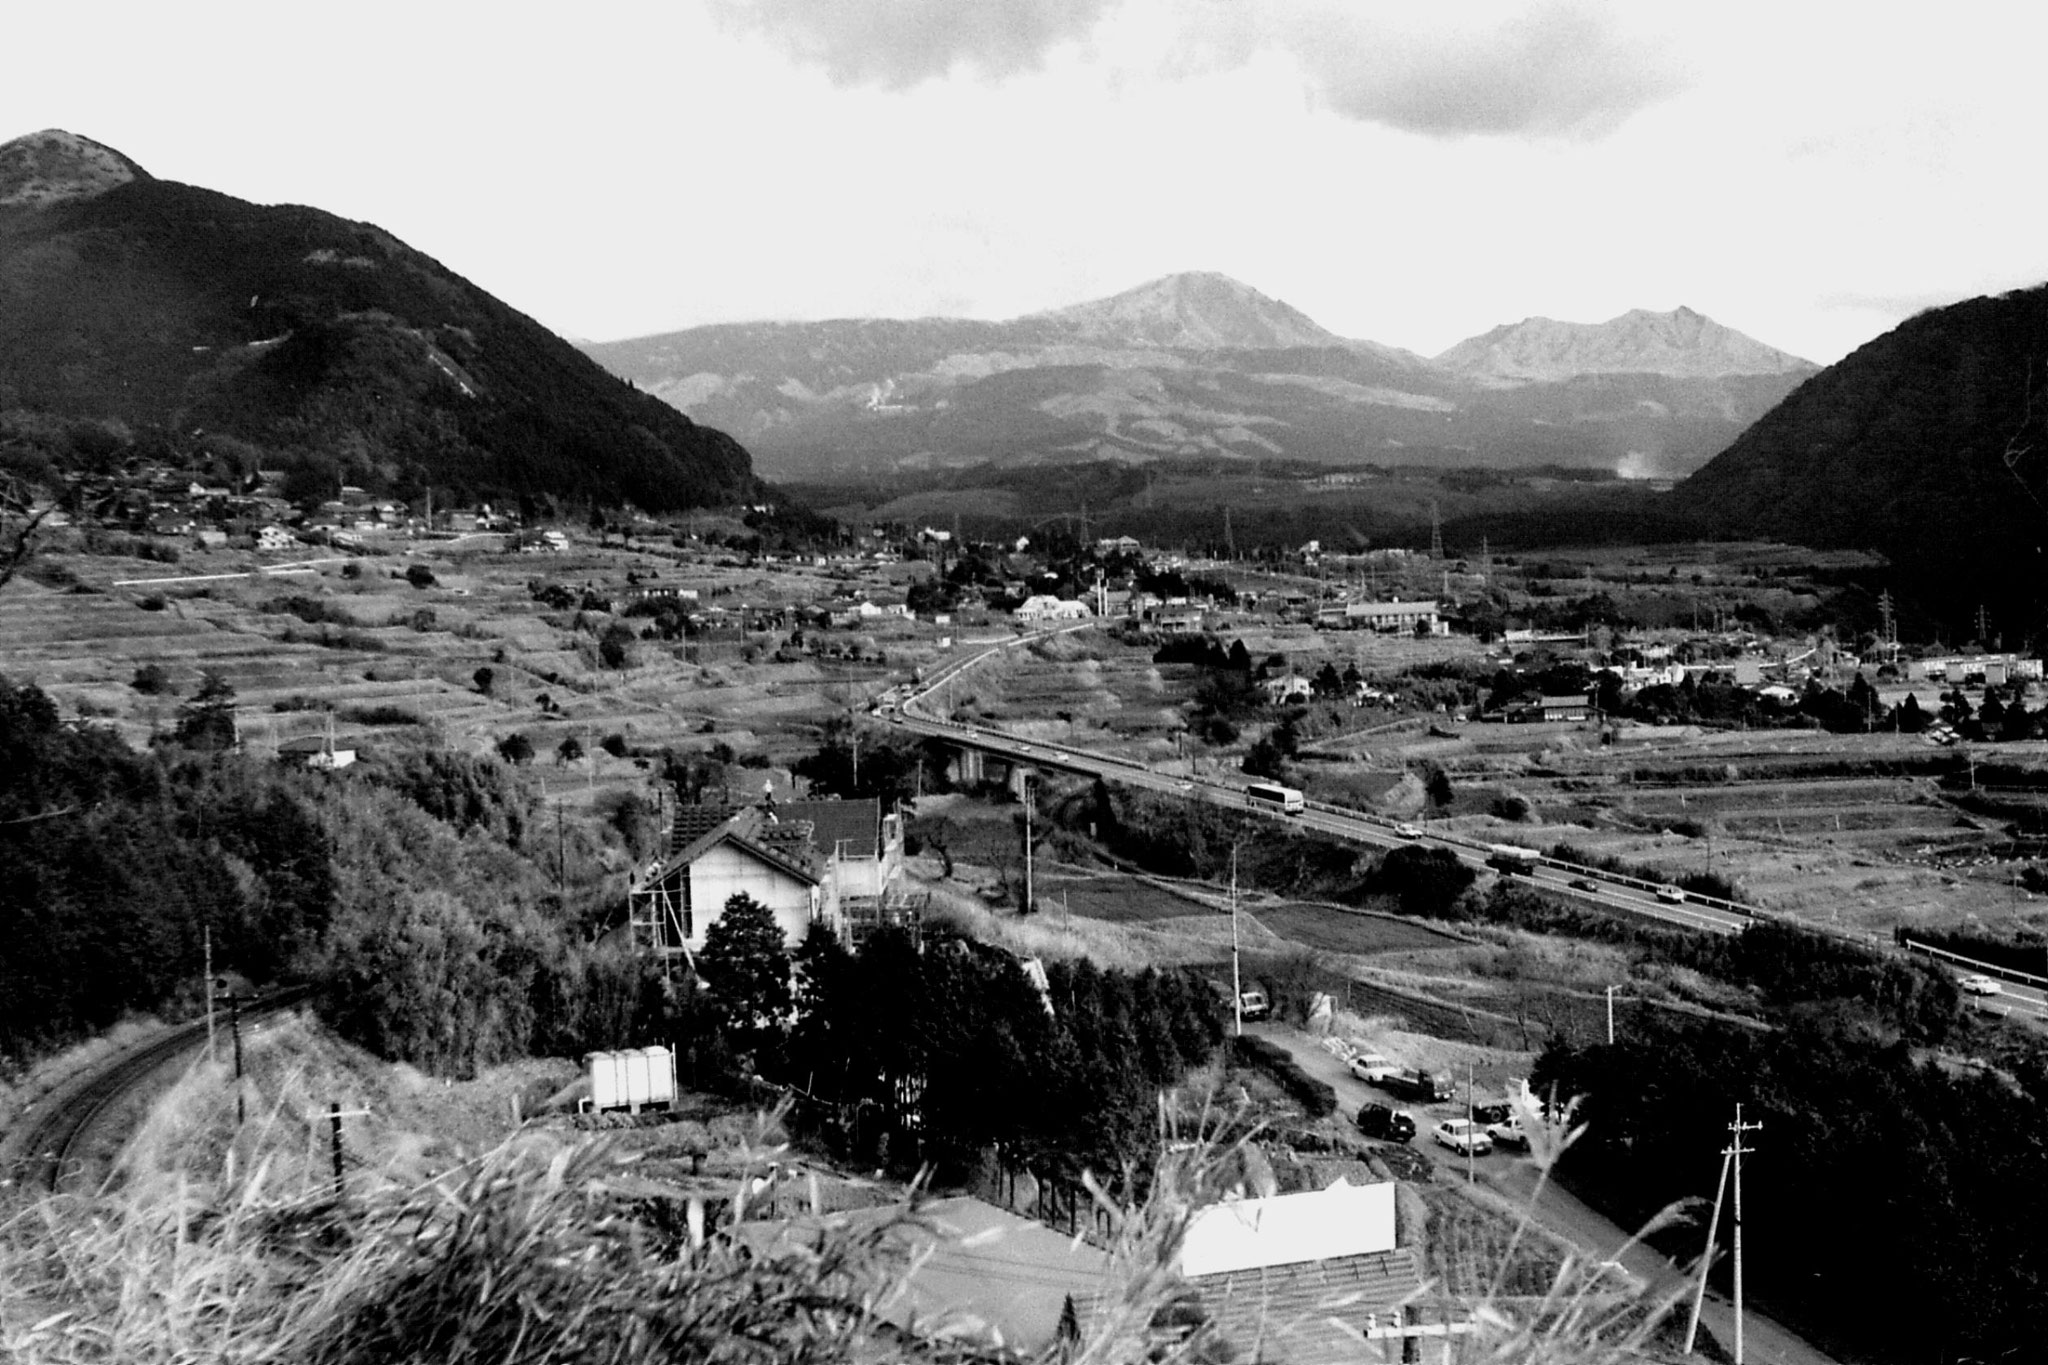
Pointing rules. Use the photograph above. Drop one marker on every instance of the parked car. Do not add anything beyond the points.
(1508, 1132)
(1407, 831)
(1253, 1004)
(1415, 1085)
(1462, 1135)
(1978, 984)
(1385, 1122)
(1371, 1067)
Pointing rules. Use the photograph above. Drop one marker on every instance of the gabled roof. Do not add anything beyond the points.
(797, 836)
(749, 829)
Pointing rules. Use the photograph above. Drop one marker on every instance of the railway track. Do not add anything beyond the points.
(54, 1142)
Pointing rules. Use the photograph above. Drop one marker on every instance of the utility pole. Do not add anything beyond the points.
(335, 1114)
(1029, 904)
(1735, 1153)
(1436, 533)
(1610, 1016)
(1692, 1323)
(209, 992)
(1236, 984)
(1471, 1132)
(235, 1018)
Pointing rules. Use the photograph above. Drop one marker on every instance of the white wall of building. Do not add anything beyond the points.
(724, 871)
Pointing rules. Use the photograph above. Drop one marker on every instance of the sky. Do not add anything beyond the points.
(1408, 173)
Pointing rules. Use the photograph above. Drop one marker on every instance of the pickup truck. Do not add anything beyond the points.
(1502, 1123)
(1415, 1085)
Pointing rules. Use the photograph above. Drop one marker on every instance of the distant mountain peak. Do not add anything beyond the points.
(1194, 310)
(1681, 343)
(53, 165)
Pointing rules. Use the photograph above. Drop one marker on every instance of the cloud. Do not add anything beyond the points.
(1567, 68)
(1562, 70)
(896, 44)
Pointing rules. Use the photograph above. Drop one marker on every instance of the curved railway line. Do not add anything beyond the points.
(53, 1141)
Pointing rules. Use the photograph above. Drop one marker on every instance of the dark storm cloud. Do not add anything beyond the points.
(1558, 70)
(899, 43)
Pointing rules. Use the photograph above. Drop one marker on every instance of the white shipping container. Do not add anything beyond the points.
(631, 1078)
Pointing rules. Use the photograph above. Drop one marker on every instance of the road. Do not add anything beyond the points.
(1565, 1216)
(1612, 891)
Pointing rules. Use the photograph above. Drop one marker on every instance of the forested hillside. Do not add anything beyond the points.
(332, 347)
(446, 951)
(1929, 445)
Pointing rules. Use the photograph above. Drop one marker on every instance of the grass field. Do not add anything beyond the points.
(1328, 928)
(1116, 898)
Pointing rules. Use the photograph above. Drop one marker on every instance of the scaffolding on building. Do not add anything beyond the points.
(658, 912)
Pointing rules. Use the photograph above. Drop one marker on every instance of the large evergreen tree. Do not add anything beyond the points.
(746, 965)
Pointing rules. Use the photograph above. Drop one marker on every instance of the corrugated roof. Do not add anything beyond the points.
(1298, 1313)
(978, 1273)
(693, 823)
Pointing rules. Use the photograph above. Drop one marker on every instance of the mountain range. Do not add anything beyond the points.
(329, 346)
(1199, 364)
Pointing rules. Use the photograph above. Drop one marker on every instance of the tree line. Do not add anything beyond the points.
(908, 1053)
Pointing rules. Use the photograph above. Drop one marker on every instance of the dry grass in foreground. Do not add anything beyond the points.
(548, 1250)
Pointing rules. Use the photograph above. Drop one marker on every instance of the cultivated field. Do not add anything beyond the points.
(385, 665)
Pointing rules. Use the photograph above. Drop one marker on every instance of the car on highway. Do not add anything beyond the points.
(1462, 1136)
(1371, 1067)
(1385, 1122)
(1978, 984)
(1583, 884)
(1184, 785)
(1407, 831)
(1670, 895)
